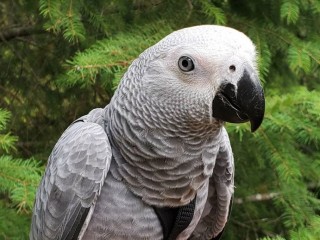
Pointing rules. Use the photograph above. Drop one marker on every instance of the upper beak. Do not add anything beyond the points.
(242, 103)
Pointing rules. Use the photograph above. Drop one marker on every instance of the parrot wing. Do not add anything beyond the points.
(76, 171)
(219, 201)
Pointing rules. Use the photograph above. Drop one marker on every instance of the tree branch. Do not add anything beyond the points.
(14, 32)
(257, 197)
(268, 196)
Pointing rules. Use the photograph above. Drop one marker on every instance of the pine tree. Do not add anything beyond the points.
(18, 181)
(277, 168)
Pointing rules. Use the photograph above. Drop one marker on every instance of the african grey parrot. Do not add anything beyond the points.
(160, 142)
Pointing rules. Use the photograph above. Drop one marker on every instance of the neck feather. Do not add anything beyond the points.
(164, 165)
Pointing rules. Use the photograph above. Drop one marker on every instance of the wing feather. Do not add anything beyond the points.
(218, 205)
(73, 179)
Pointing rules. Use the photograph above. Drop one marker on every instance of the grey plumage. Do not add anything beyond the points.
(160, 140)
(74, 177)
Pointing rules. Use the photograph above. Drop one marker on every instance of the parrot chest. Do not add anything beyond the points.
(171, 181)
(169, 173)
(164, 165)
(119, 214)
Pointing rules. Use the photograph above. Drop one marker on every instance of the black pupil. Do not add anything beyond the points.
(185, 63)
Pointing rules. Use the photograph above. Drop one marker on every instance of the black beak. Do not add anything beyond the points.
(246, 103)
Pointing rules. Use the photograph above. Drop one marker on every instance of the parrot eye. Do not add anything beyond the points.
(186, 64)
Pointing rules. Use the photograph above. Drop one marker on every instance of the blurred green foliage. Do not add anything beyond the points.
(59, 59)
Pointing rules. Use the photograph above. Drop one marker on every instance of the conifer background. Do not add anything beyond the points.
(59, 59)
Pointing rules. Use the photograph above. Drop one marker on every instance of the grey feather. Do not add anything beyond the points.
(73, 179)
(221, 187)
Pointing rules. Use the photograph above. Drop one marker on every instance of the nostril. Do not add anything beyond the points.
(232, 68)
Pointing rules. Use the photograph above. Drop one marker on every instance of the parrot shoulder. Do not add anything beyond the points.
(76, 171)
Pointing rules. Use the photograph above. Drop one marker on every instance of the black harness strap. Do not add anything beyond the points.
(175, 220)
(75, 229)
(167, 217)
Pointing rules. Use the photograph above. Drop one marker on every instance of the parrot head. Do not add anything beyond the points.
(203, 74)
